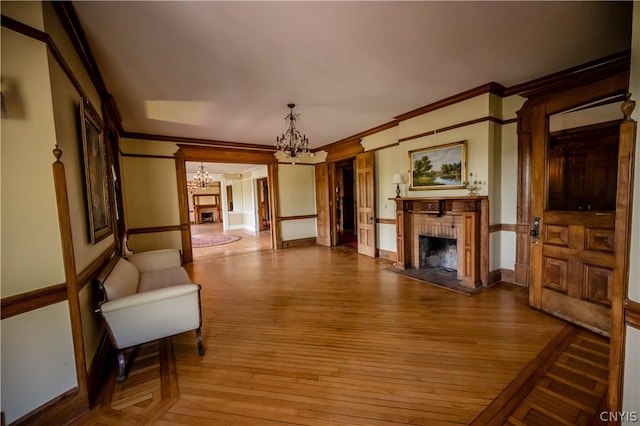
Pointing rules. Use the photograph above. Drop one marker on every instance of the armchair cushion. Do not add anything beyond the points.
(162, 278)
(122, 281)
(156, 260)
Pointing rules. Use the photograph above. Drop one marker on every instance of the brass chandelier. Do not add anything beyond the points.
(200, 180)
(292, 143)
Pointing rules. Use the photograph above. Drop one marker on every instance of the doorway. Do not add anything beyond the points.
(264, 215)
(345, 204)
(222, 162)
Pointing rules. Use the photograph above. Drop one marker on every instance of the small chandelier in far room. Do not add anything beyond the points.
(191, 186)
(292, 143)
(202, 178)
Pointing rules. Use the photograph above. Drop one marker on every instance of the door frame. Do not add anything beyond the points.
(224, 155)
(266, 194)
(532, 129)
(336, 153)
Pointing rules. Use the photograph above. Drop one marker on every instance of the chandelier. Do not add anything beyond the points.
(202, 178)
(292, 143)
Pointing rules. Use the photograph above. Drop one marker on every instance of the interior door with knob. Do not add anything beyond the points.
(366, 206)
(573, 203)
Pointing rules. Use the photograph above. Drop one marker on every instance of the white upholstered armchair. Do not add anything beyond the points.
(146, 297)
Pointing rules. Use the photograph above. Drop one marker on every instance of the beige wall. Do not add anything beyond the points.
(150, 192)
(491, 154)
(30, 232)
(297, 198)
(36, 348)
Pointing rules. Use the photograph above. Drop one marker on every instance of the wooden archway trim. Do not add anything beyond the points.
(224, 155)
(343, 150)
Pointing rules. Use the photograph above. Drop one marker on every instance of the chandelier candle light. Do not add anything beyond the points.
(292, 143)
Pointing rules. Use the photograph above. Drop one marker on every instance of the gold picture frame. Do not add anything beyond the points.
(438, 167)
(95, 173)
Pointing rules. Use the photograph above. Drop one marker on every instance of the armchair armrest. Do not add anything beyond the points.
(156, 260)
(148, 297)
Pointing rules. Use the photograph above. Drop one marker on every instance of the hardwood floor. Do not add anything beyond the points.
(248, 241)
(319, 336)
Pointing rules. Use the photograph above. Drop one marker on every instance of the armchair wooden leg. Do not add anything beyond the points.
(199, 340)
(122, 372)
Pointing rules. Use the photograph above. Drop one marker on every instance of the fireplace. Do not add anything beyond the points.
(457, 231)
(436, 252)
(206, 217)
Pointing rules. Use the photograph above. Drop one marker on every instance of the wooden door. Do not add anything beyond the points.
(573, 202)
(323, 207)
(264, 218)
(365, 206)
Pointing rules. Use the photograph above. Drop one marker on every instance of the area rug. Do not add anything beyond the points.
(438, 277)
(199, 240)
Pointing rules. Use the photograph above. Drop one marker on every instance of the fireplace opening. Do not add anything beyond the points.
(206, 217)
(436, 252)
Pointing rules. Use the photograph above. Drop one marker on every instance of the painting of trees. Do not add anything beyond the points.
(439, 167)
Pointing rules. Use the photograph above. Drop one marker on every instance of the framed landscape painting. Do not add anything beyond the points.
(95, 173)
(438, 167)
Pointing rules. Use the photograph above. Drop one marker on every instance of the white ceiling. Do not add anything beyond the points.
(226, 70)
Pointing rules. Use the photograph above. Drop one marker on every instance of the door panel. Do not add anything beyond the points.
(365, 193)
(577, 259)
(572, 258)
(323, 221)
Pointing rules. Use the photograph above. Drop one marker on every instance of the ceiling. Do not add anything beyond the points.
(226, 71)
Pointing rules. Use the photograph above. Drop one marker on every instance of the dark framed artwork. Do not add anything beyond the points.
(95, 173)
(438, 167)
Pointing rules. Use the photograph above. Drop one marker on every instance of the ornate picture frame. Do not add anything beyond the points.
(95, 173)
(438, 167)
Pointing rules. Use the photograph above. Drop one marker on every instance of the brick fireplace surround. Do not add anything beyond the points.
(465, 219)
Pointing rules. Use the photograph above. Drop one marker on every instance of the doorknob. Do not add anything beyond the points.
(535, 232)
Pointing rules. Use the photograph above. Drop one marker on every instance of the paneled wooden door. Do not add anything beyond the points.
(366, 210)
(323, 205)
(573, 189)
(264, 216)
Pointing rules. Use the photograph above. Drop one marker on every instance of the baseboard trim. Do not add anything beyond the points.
(502, 275)
(100, 368)
(389, 255)
(61, 410)
(300, 242)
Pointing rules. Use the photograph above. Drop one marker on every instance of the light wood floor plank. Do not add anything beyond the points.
(319, 336)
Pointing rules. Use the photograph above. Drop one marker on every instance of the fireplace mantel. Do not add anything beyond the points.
(471, 213)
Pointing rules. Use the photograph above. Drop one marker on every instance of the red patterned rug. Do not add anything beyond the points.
(199, 240)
